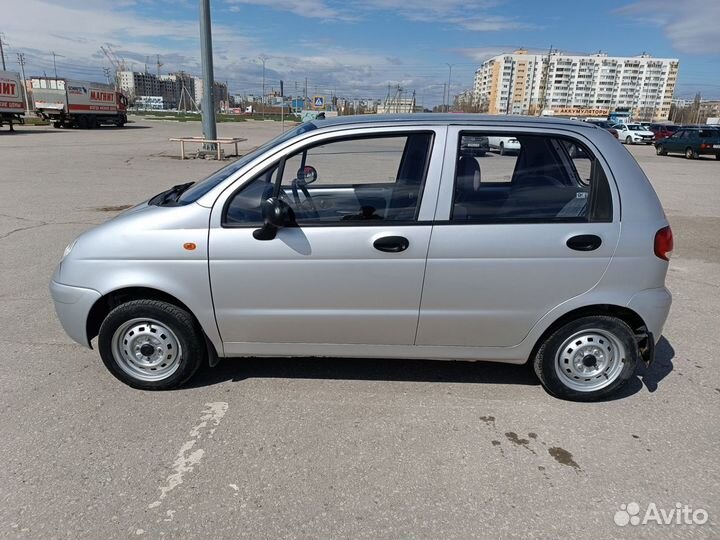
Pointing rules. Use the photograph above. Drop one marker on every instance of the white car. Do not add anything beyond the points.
(634, 134)
(504, 144)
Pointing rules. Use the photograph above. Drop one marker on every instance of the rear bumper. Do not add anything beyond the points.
(72, 305)
(653, 305)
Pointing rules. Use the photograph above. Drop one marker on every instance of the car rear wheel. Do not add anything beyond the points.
(628, 140)
(690, 153)
(660, 150)
(151, 345)
(587, 359)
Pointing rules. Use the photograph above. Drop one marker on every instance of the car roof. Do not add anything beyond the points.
(449, 119)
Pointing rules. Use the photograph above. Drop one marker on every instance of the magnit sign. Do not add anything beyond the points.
(8, 88)
(98, 95)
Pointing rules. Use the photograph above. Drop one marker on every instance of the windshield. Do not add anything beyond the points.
(202, 187)
(635, 127)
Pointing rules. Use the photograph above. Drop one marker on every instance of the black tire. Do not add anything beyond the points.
(717, 156)
(690, 153)
(545, 357)
(660, 151)
(181, 323)
(82, 122)
(628, 140)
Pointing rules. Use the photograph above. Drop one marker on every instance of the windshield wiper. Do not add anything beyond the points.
(170, 195)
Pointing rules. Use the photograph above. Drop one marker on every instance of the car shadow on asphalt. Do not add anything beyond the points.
(650, 377)
(405, 370)
(240, 369)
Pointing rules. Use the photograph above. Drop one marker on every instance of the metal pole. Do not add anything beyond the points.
(263, 59)
(208, 108)
(2, 52)
(448, 87)
(21, 61)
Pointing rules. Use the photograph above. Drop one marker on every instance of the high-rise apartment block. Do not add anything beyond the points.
(575, 85)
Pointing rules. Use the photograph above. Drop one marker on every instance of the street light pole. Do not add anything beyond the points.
(450, 66)
(2, 52)
(21, 61)
(55, 63)
(208, 107)
(263, 59)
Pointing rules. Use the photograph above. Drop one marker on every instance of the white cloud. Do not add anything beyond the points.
(312, 9)
(468, 14)
(75, 29)
(480, 54)
(691, 25)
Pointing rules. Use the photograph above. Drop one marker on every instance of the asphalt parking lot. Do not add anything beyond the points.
(334, 447)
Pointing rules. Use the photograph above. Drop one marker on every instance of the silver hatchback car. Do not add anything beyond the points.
(383, 237)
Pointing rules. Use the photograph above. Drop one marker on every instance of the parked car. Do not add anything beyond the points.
(504, 144)
(475, 146)
(692, 142)
(662, 131)
(319, 243)
(634, 134)
(605, 124)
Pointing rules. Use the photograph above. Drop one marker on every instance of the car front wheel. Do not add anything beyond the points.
(690, 153)
(587, 359)
(151, 345)
(628, 140)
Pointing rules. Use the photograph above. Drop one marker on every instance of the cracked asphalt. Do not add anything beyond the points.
(283, 448)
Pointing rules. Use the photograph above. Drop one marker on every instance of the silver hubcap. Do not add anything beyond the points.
(146, 349)
(590, 360)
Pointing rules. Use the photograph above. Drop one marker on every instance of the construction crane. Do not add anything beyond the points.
(117, 62)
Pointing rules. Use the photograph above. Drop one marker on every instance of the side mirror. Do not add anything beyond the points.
(276, 214)
(306, 175)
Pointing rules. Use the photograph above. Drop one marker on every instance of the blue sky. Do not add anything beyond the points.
(357, 49)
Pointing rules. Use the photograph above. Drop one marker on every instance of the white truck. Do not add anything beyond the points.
(83, 104)
(12, 106)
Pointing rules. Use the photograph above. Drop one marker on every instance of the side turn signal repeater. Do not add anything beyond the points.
(189, 246)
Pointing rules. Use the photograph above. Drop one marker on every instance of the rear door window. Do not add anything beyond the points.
(547, 180)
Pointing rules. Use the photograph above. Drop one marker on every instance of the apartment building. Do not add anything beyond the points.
(575, 85)
(177, 89)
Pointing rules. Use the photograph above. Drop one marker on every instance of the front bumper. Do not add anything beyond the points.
(72, 305)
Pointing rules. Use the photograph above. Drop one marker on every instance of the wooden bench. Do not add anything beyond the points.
(200, 140)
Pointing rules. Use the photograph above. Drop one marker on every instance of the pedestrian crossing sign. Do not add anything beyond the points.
(318, 102)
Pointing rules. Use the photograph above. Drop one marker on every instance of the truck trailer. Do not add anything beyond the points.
(11, 99)
(70, 103)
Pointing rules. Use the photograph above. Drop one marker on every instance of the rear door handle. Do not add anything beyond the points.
(584, 242)
(391, 244)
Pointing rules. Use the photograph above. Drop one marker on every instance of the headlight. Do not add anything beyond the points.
(69, 248)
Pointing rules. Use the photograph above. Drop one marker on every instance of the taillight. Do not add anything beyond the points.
(705, 146)
(664, 243)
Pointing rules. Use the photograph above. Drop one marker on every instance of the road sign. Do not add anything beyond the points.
(318, 102)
